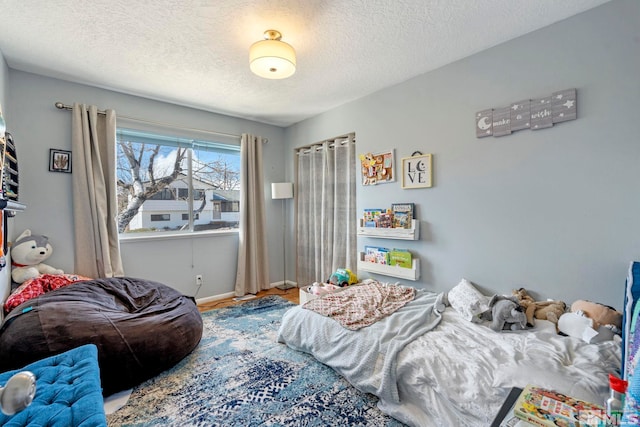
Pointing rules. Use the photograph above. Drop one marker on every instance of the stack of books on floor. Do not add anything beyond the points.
(537, 406)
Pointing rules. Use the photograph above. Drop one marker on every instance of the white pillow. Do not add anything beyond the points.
(578, 326)
(468, 301)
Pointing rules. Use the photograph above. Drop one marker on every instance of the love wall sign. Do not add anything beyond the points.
(417, 171)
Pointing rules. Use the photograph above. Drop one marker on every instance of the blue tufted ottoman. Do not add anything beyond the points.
(68, 391)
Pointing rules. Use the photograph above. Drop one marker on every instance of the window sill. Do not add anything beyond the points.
(158, 235)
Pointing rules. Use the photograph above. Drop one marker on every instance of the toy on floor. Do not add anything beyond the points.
(27, 253)
(550, 310)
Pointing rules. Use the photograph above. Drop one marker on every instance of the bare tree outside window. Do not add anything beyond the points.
(153, 181)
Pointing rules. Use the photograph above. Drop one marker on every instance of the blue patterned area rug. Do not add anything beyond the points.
(240, 376)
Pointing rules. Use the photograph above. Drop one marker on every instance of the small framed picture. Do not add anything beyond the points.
(59, 160)
(417, 171)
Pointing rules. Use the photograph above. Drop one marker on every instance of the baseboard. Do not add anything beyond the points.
(215, 298)
(280, 285)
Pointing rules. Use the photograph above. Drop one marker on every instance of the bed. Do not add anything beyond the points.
(140, 327)
(430, 365)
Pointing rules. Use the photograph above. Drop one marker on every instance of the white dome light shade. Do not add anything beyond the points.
(272, 58)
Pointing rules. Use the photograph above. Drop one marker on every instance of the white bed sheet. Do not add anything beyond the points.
(459, 373)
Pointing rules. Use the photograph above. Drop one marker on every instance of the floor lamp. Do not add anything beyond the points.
(283, 191)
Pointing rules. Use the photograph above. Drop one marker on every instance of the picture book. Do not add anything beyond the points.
(401, 258)
(371, 217)
(403, 213)
(376, 255)
(385, 220)
(543, 407)
(402, 220)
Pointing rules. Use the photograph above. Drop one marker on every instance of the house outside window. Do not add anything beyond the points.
(176, 184)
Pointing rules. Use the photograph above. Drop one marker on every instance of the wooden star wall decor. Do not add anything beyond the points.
(534, 114)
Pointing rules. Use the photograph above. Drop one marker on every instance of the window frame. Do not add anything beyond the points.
(180, 139)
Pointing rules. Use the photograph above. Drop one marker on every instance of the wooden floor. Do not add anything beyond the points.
(292, 295)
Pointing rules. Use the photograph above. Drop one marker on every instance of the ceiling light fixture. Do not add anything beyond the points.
(271, 58)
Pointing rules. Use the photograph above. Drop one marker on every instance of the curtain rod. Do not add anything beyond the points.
(61, 106)
(342, 140)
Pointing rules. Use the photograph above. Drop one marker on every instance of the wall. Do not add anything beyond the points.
(37, 126)
(554, 210)
(4, 82)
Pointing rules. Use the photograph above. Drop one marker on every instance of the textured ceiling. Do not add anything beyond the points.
(195, 52)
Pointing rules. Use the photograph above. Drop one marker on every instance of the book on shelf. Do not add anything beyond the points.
(385, 220)
(371, 217)
(400, 258)
(544, 407)
(376, 255)
(403, 213)
(402, 220)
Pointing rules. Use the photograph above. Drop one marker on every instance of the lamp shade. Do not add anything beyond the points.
(282, 190)
(272, 58)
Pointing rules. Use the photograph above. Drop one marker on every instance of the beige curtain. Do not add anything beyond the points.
(93, 139)
(253, 268)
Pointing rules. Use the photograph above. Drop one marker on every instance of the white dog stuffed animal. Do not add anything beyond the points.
(27, 254)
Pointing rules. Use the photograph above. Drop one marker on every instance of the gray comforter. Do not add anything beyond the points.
(366, 357)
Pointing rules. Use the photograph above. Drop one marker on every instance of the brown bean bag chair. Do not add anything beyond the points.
(140, 328)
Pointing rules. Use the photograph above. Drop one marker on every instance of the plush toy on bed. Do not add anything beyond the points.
(550, 310)
(27, 253)
(505, 314)
(591, 321)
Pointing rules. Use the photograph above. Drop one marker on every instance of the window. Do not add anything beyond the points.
(164, 194)
(160, 177)
(183, 194)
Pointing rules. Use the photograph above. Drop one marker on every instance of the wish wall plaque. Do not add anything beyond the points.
(534, 114)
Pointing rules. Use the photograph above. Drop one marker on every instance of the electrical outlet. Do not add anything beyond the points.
(199, 280)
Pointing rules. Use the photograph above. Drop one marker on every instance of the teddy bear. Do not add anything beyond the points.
(591, 321)
(602, 315)
(550, 310)
(27, 253)
(505, 313)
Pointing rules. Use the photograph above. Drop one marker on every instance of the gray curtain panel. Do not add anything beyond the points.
(93, 139)
(253, 268)
(326, 210)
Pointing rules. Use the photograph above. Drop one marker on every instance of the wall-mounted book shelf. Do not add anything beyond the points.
(412, 273)
(412, 233)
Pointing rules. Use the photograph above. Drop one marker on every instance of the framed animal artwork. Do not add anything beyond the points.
(377, 168)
